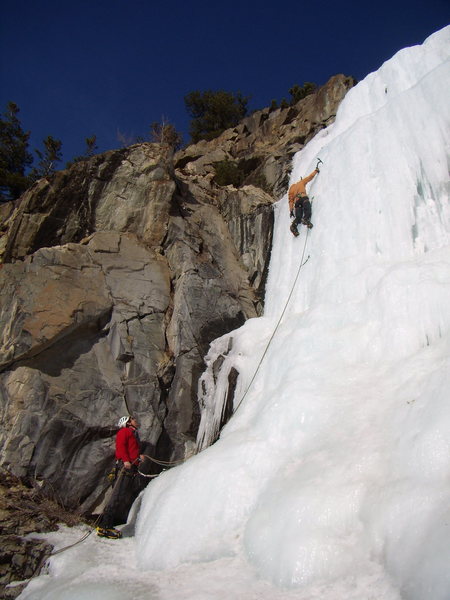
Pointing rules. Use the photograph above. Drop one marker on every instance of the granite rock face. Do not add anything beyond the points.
(115, 279)
(116, 275)
(84, 331)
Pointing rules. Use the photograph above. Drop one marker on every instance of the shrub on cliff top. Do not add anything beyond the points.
(213, 112)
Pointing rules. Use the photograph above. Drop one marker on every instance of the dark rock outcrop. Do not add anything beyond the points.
(24, 512)
(116, 276)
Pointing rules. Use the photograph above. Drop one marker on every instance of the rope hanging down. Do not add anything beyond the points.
(302, 262)
(174, 463)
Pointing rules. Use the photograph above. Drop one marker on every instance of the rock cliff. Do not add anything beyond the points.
(117, 274)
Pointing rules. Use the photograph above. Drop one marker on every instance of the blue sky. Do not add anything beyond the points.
(109, 67)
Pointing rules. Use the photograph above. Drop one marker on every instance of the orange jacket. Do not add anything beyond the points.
(300, 188)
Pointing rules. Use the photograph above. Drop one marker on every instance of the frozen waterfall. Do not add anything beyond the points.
(336, 465)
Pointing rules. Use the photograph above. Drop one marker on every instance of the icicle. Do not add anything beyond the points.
(213, 391)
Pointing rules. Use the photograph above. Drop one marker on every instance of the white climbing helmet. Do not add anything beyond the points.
(123, 421)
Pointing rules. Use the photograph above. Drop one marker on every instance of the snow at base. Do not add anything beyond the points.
(332, 479)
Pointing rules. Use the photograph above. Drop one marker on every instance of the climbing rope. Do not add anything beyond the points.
(165, 463)
(86, 535)
(302, 262)
(148, 476)
(44, 558)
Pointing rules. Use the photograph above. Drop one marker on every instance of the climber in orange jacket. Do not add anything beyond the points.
(299, 204)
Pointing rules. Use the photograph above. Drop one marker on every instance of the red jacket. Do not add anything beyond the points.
(127, 445)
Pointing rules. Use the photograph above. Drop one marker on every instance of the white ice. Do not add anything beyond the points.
(332, 479)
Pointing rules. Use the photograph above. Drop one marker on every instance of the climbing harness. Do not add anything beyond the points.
(302, 263)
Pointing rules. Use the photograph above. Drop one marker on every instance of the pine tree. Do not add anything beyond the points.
(89, 152)
(213, 112)
(298, 93)
(163, 132)
(91, 146)
(47, 158)
(14, 155)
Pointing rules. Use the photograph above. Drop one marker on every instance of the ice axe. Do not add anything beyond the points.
(319, 162)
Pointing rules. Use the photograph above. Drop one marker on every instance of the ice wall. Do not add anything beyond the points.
(335, 468)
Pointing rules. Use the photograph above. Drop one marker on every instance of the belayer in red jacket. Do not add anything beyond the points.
(128, 445)
(127, 486)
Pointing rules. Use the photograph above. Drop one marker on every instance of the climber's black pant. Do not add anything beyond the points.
(126, 490)
(302, 210)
